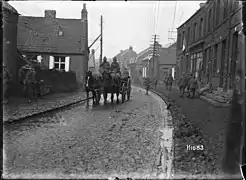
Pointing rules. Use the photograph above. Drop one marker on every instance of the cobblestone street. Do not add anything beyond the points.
(105, 140)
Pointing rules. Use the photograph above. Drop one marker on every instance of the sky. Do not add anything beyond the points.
(131, 23)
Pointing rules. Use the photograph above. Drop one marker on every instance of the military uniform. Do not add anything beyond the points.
(105, 67)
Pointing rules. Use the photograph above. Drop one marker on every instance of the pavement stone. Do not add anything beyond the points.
(19, 109)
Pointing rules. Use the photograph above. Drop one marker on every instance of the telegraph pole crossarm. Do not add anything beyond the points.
(94, 41)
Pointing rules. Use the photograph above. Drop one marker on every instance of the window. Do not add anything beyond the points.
(183, 36)
(179, 41)
(209, 20)
(191, 62)
(59, 63)
(234, 58)
(194, 32)
(201, 27)
(222, 63)
(188, 36)
(215, 59)
(204, 65)
(217, 12)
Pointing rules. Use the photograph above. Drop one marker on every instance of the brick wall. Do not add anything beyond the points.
(10, 21)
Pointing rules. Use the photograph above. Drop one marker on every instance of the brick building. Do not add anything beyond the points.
(10, 54)
(56, 42)
(209, 43)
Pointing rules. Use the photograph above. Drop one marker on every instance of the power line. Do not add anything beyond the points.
(154, 17)
(174, 15)
(157, 21)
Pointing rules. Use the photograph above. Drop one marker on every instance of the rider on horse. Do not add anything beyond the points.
(105, 66)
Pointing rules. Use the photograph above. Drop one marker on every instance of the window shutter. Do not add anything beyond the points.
(39, 58)
(67, 59)
(51, 63)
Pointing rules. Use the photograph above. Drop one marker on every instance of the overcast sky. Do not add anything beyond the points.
(125, 23)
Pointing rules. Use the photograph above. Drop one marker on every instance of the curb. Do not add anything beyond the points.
(207, 100)
(215, 103)
(44, 111)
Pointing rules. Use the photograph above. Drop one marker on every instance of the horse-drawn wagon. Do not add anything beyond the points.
(105, 83)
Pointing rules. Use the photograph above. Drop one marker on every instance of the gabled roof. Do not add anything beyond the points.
(40, 34)
(166, 55)
(173, 45)
(144, 51)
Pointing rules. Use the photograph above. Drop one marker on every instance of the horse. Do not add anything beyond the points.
(111, 85)
(92, 85)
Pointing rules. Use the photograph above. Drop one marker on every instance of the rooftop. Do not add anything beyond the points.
(57, 35)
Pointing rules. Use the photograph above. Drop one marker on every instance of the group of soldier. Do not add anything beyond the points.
(188, 82)
(113, 69)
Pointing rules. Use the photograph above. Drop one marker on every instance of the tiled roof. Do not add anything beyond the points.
(40, 34)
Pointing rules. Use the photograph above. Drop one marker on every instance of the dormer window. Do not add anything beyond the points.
(60, 33)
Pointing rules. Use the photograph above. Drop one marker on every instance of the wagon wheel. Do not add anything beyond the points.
(128, 89)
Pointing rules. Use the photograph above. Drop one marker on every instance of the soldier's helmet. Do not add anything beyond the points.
(114, 59)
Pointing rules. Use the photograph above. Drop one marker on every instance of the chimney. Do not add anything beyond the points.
(130, 48)
(50, 14)
(84, 13)
(202, 4)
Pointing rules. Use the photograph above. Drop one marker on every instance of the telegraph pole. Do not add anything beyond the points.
(170, 37)
(101, 40)
(152, 63)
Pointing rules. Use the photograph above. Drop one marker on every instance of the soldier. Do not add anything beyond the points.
(105, 66)
(115, 67)
(6, 82)
(147, 82)
(169, 82)
(193, 86)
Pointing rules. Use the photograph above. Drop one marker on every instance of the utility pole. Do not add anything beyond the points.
(170, 37)
(154, 54)
(101, 48)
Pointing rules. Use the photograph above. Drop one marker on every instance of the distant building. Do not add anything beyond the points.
(55, 42)
(126, 57)
(163, 62)
(10, 55)
(209, 43)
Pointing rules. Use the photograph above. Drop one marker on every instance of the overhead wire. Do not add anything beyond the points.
(154, 17)
(157, 17)
(174, 17)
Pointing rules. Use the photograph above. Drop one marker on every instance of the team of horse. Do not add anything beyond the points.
(106, 84)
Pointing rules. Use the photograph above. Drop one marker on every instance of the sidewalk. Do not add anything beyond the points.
(211, 122)
(19, 108)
